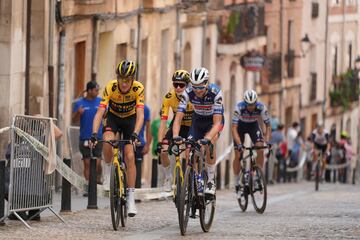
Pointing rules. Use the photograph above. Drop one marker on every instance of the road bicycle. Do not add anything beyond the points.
(252, 182)
(118, 184)
(192, 195)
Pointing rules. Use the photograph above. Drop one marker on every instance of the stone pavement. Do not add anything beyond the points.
(294, 211)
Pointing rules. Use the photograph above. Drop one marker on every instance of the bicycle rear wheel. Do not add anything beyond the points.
(185, 200)
(258, 189)
(115, 199)
(207, 208)
(244, 193)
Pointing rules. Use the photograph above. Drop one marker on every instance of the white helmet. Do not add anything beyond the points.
(250, 96)
(199, 75)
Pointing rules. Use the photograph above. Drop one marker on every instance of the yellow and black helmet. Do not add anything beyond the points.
(181, 75)
(126, 69)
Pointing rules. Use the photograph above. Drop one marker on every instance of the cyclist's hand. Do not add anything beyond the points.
(93, 140)
(135, 138)
(240, 147)
(159, 147)
(205, 141)
(178, 140)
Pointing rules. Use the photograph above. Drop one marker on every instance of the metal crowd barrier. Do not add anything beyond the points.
(30, 187)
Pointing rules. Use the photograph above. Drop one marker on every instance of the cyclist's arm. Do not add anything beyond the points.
(235, 134)
(216, 128)
(267, 132)
(97, 119)
(180, 113)
(176, 126)
(139, 119)
(164, 118)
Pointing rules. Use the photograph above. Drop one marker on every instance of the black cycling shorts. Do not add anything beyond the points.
(201, 125)
(124, 126)
(253, 129)
(321, 148)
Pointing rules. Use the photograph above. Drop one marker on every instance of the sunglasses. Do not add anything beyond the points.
(125, 80)
(201, 87)
(181, 85)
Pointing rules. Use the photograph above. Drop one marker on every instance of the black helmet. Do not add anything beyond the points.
(181, 75)
(126, 69)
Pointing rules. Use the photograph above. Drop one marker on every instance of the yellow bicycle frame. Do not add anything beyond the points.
(177, 165)
(118, 169)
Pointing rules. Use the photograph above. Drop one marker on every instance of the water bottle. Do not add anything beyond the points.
(200, 184)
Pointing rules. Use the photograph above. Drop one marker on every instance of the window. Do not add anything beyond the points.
(334, 53)
(313, 83)
(164, 60)
(80, 50)
(207, 54)
(187, 57)
(121, 52)
(143, 67)
(335, 2)
(314, 10)
(291, 34)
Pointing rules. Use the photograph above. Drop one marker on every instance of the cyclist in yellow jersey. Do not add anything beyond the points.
(171, 100)
(124, 100)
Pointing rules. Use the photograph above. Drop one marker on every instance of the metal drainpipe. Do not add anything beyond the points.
(94, 49)
(178, 37)
(27, 58)
(205, 24)
(282, 62)
(326, 60)
(138, 49)
(50, 57)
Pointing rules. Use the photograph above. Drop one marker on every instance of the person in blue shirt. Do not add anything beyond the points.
(144, 147)
(84, 110)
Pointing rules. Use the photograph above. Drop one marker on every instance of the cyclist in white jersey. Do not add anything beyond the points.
(320, 142)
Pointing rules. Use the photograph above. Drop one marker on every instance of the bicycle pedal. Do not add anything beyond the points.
(193, 216)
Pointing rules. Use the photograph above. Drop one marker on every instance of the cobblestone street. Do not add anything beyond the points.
(294, 211)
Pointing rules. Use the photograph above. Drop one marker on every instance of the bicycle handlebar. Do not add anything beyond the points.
(114, 143)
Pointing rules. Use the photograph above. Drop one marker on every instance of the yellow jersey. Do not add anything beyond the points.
(123, 104)
(171, 100)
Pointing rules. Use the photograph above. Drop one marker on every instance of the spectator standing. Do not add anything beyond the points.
(84, 110)
(277, 137)
(144, 147)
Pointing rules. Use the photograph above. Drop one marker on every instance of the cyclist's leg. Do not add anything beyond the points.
(237, 164)
(256, 136)
(184, 133)
(165, 161)
(109, 130)
(127, 126)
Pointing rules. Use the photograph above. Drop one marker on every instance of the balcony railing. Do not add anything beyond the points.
(243, 23)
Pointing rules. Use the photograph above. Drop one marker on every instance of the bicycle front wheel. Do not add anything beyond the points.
(185, 200)
(207, 208)
(115, 199)
(178, 184)
(317, 175)
(243, 193)
(258, 189)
